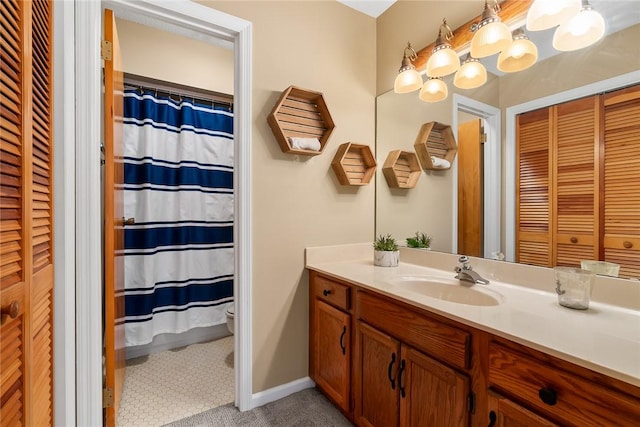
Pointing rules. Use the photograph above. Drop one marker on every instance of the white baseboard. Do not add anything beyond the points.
(284, 390)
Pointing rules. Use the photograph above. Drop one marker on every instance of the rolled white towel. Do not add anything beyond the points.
(298, 143)
(439, 163)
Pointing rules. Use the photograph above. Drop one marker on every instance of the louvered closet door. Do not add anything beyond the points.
(26, 241)
(576, 181)
(622, 180)
(533, 202)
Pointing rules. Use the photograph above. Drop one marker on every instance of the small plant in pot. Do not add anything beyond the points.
(420, 241)
(386, 253)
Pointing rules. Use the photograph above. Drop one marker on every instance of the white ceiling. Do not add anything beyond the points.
(372, 8)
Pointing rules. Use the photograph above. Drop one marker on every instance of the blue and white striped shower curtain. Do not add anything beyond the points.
(179, 254)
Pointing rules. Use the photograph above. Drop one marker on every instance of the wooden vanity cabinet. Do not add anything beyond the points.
(396, 379)
(330, 339)
(403, 366)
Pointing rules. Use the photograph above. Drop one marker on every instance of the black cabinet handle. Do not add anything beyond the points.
(390, 370)
(548, 396)
(492, 419)
(344, 332)
(326, 292)
(402, 366)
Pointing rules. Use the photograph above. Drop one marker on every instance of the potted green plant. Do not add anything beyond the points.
(420, 241)
(385, 251)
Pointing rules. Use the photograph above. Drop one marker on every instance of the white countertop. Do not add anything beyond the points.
(604, 338)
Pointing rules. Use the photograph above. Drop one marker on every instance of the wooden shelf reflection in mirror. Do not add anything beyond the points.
(402, 169)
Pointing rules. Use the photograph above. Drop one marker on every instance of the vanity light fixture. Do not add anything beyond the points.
(472, 74)
(408, 79)
(433, 90)
(491, 34)
(583, 29)
(443, 60)
(544, 14)
(520, 55)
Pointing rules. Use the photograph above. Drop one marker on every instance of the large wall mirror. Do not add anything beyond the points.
(484, 226)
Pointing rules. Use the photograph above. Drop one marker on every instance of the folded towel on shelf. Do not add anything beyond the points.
(298, 143)
(439, 163)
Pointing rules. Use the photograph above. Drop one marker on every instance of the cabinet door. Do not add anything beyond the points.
(331, 350)
(533, 191)
(431, 394)
(576, 158)
(376, 377)
(505, 413)
(621, 180)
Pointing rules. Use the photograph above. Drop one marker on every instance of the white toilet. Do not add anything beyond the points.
(230, 313)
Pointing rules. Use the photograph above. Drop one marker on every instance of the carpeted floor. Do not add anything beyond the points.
(307, 408)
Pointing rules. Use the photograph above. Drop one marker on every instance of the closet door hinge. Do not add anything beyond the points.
(107, 397)
(106, 50)
(483, 138)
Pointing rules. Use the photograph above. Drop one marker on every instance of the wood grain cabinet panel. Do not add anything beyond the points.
(432, 394)
(506, 413)
(333, 353)
(376, 385)
(558, 394)
(444, 342)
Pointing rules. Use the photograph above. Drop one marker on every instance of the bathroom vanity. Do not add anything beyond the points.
(411, 346)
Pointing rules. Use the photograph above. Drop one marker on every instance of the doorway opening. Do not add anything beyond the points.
(202, 23)
(487, 202)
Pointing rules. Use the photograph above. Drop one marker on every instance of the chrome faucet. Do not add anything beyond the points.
(466, 273)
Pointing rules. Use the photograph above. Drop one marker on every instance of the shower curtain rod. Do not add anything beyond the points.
(202, 96)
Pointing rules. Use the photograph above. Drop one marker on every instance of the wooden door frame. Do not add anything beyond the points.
(186, 18)
(492, 172)
(510, 144)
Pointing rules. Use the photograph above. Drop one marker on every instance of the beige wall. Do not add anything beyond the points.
(428, 207)
(418, 23)
(297, 201)
(150, 52)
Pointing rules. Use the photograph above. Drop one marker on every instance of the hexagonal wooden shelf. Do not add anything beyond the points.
(354, 164)
(435, 139)
(402, 169)
(301, 113)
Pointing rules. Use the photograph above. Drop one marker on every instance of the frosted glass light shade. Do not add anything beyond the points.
(472, 74)
(490, 39)
(443, 62)
(544, 14)
(584, 29)
(407, 81)
(433, 90)
(521, 55)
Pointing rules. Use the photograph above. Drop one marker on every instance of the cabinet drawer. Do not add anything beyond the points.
(330, 291)
(442, 341)
(559, 395)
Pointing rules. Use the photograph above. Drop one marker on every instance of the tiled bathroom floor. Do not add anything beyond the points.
(165, 387)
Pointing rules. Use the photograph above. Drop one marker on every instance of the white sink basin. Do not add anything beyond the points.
(451, 290)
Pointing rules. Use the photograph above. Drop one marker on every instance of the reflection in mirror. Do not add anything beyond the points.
(434, 205)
